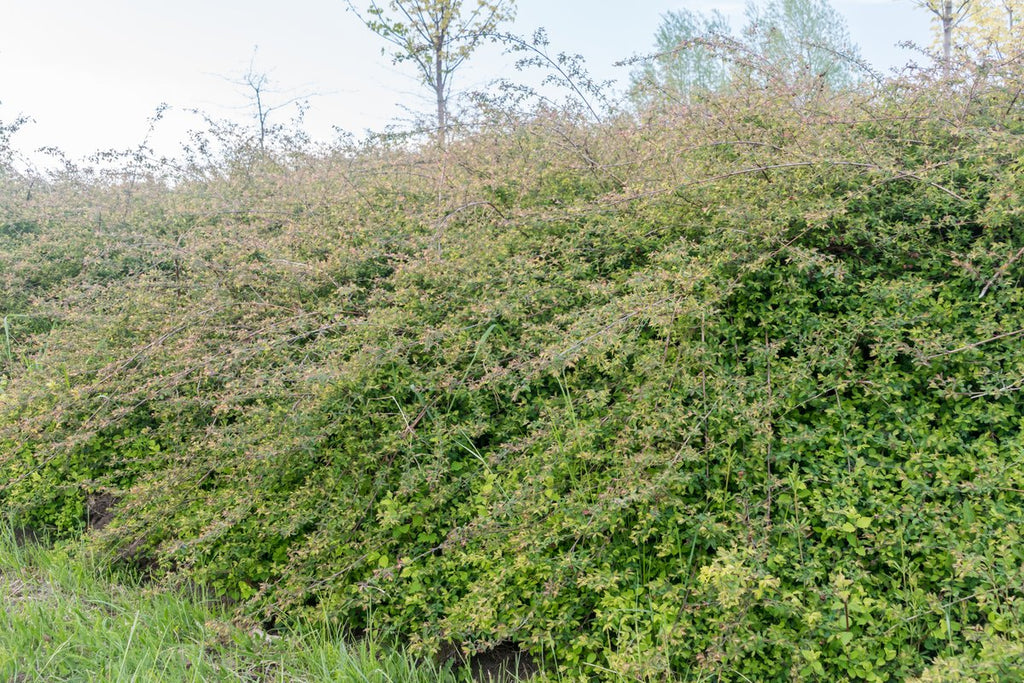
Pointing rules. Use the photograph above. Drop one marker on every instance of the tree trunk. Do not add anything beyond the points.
(442, 104)
(947, 32)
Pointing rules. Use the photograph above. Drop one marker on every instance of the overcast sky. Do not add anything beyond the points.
(91, 72)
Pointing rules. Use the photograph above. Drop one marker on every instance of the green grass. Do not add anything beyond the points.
(63, 618)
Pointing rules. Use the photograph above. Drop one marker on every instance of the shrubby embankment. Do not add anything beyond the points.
(727, 390)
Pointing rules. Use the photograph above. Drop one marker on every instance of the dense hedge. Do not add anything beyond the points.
(729, 390)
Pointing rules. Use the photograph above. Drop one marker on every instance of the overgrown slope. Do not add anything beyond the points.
(728, 389)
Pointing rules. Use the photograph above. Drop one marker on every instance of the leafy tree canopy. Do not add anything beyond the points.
(435, 35)
(781, 40)
(980, 29)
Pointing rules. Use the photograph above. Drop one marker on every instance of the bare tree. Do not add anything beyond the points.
(7, 131)
(257, 83)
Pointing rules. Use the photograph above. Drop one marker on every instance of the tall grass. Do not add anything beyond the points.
(64, 618)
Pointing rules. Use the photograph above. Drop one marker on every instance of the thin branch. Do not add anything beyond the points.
(974, 345)
(1000, 271)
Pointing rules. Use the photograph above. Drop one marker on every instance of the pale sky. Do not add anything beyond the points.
(91, 72)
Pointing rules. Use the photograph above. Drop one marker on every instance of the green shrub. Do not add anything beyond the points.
(662, 401)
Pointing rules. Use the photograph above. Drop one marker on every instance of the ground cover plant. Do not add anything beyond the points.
(67, 619)
(727, 390)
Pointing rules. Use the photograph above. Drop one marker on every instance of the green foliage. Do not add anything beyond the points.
(64, 618)
(783, 42)
(683, 65)
(804, 35)
(730, 395)
(437, 36)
